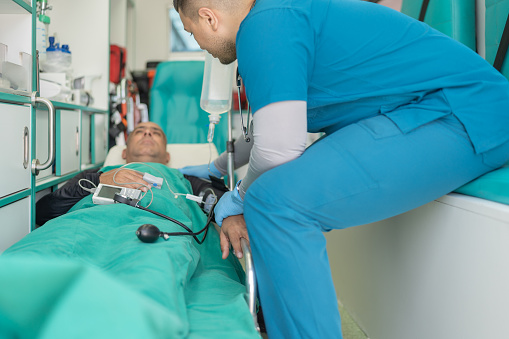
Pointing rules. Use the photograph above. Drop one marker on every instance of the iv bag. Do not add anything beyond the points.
(216, 94)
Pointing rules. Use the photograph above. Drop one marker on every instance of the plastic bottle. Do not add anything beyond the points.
(216, 95)
(42, 36)
(58, 59)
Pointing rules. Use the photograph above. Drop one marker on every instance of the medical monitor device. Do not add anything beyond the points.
(104, 194)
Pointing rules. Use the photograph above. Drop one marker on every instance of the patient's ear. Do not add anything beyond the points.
(168, 157)
(124, 153)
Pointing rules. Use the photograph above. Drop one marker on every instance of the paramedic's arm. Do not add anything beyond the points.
(280, 132)
(59, 202)
(242, 149)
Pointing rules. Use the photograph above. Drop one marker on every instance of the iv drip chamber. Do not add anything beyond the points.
(216, 95)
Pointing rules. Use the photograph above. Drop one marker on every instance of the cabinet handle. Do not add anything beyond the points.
(26, 148)
(36, 166)
(77, 141)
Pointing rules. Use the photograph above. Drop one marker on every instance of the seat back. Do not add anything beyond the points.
(175, 104)
(455, 18)
(496, 16)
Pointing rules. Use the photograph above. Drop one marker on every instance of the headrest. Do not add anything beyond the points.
(180, 155)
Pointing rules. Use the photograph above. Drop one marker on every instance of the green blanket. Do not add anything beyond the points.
(86, 275)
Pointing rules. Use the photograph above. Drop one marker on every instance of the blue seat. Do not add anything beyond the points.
(175, 104)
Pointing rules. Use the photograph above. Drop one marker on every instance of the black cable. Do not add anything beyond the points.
(134, 202)
(189, 231)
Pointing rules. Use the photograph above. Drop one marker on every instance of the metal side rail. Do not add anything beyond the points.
(250, 281)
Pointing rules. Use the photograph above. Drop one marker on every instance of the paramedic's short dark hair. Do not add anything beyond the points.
(186, 6)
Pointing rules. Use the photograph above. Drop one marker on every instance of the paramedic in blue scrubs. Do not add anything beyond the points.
(408, 116)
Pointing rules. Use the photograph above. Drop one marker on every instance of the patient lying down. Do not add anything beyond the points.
(145, 144)
(85, 274)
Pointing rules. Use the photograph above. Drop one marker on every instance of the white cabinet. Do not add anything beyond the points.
(15, 222)
(15, 148)
(77, 136)
(68, 142)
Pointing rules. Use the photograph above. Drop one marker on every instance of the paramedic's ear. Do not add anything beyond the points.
(209, 17)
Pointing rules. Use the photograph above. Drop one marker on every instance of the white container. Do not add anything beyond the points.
(216, 95)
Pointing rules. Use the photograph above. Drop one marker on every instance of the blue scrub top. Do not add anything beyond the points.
(351, 60)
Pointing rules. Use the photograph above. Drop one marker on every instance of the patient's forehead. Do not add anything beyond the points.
(150, 125)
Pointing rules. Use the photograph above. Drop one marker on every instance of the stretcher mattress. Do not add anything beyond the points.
(86, 275)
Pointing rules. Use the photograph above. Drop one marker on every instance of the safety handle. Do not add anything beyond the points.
(36, 165)
(250, 281)
(26, 148)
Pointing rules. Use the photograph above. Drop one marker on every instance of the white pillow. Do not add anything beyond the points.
(180, 155)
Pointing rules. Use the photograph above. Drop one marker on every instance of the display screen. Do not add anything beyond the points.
(108, 192)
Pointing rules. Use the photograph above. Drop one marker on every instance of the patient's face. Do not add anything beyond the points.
(147, 143)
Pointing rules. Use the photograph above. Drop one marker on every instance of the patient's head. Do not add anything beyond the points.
(146, 143)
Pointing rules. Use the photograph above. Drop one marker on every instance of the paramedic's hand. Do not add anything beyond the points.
(124, 176)
(201, 171)
(230, 204)
(233, 229)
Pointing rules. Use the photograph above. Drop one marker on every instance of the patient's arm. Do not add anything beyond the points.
(232, 230)
(124, 178)
(59, 202)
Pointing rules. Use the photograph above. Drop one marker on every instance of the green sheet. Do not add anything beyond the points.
(86, 275)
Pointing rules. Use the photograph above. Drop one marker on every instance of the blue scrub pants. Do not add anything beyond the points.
(365, 172)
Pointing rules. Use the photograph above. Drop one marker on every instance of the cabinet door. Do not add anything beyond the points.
(68, 142)
(14, 148)
(100, 134)
(86, 154)
(15, 222)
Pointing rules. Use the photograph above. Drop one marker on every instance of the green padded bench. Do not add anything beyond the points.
(493, 186)
(175, 104)
(457, 20)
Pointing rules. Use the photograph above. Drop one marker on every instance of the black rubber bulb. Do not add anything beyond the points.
(148, 233)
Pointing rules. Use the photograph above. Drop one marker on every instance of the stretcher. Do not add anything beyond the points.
(85, 274)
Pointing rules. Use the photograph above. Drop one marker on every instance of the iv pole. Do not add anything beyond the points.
(230, 151)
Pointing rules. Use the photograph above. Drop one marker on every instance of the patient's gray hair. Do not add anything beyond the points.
(190, 7)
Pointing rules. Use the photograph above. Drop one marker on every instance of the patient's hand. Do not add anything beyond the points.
(233, 229)
(123, 176)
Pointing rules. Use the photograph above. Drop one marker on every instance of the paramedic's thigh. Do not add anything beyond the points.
(360, 174)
